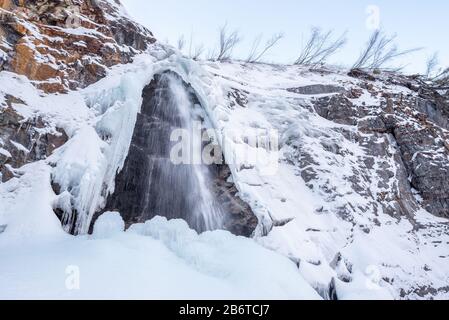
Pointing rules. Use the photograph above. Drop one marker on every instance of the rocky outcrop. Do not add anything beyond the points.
(316, 89)
(426, 155)
(339, 108)
(59, 46)
(63, 45)
(407, 128)
(24, 140)
(240, 219)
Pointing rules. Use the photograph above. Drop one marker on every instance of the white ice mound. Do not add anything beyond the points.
(108, 225)
(241, 261)
(157, 260)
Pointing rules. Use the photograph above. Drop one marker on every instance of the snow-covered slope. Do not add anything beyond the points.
(158, 260)
(342, 185)
(352, 205)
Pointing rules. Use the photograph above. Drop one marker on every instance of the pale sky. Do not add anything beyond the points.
(417, 23)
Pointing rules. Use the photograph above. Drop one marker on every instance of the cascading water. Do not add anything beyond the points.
(151, 183)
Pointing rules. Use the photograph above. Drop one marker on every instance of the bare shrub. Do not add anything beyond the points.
(193, 51)
(227, 43)
(432, 66)
(435, 73)
(320, 46)
(256, 53)
(197, 52)
(379, 51)
(443, 79)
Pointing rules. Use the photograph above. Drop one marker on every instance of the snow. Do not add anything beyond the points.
(26, 205)
(315, 235)
(80, 44)
(301, 245)
(157, 260)
(5, 153)
(108, 224)
(3, 54)
(19, 146)
(167, 259)
(81, 170)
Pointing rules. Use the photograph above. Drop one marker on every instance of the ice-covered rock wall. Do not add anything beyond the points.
(151, 183)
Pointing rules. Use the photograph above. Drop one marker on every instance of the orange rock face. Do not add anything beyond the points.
(63, 45)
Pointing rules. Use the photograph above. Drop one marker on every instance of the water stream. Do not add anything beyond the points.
(151, 183)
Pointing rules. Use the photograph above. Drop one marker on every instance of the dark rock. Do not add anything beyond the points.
(436, 109)
(372, 124)
(316, 89)
(339, 109)
(354, 93)
(238, 97)
(360, 74)
(333, 291)
(426, 161)
(24, 141)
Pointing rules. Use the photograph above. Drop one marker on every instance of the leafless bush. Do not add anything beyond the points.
(227, 43)
(432, 65)
(256, 53)
(194, 51)
(443, 79)
(211, 54)
(380, 50)
(197, 52)
(434, 70)
(436, 74)
(320, 46)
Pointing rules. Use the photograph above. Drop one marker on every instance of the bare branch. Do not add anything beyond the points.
(442, 78)
(256, 54)
(435, 74)
(379, 51)
(194, 50)
(319, 47)
(432, 65)
(227, 43)
(254, 49)
(368, 52)
(197, 52)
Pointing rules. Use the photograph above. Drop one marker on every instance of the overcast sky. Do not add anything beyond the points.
(417, 23)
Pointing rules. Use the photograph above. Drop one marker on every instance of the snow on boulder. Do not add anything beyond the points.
(107, 225)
